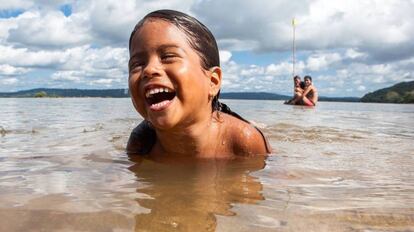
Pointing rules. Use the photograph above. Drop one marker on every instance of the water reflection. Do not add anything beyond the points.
(188, 194)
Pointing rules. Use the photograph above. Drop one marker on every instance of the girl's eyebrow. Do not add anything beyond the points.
(167, 46)
(164, 46)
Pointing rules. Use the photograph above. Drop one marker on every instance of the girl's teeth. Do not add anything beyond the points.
(156, 90)
(159, 105)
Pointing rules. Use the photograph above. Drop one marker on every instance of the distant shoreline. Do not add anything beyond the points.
(123, 93)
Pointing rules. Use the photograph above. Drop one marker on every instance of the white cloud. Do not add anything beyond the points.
(33, 4)
(252, 70)
(8, 70)
(224, 56)
(283, 68)
(90, 59)
(238, 45)
(105, 82)
(382, 69)
(15, 4)
(24, 57)
(9, 81)
(73, 76)
(357, 82)
(113, 21)
(374, 27)
(78, 58)
(102, 81)
(322, 61)
(50, 29)
(361, 88)
(351, 53)
(5, 26)
(328, 90)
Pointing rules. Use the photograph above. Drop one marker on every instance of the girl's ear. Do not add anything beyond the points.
(215, 81)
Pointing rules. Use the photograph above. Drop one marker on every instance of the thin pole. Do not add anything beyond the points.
(293, 48)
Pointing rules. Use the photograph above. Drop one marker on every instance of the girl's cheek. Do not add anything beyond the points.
(134, 85)
(182, 69)
(134, 80)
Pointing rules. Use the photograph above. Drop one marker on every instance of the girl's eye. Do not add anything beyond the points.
(136, 65)
(168, 57)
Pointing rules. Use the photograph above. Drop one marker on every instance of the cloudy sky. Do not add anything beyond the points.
(349, 47)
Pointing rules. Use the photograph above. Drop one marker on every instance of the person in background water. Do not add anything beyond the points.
(298, 88)
(174, 80)
(305, 93)
(310, 93)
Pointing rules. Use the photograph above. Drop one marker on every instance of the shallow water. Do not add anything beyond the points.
(337, 167)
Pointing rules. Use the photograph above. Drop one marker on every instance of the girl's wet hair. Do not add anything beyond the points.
(200, 39)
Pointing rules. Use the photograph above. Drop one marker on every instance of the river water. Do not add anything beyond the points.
(336, 167)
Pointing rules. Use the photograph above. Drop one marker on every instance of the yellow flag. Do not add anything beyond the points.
(294, 22)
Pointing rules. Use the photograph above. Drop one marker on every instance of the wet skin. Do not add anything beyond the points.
(310, 94)
(161, 57)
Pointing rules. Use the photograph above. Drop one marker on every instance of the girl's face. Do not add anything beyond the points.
(168, 85)
(308, 82)
(297, 81)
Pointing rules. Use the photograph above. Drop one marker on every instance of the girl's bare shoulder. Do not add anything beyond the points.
(245, 138)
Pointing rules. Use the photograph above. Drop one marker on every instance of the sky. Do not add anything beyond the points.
(349, 47)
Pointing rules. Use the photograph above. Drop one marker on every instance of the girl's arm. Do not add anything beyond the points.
(307, 90)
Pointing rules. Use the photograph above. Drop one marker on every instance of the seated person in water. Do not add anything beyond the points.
(298, 87)
(174, 81)
(310, 93)
(309, 96)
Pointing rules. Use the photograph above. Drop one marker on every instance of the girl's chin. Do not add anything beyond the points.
(161, 123)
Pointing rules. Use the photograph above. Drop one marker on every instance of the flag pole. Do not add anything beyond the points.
(293, 47)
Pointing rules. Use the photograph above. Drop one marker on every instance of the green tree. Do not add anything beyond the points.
(409, 97)
(40, 94)
(392, 96)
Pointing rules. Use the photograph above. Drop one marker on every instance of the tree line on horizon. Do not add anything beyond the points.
(400, 93)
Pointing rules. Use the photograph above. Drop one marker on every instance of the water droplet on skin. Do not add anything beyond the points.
(174, 224)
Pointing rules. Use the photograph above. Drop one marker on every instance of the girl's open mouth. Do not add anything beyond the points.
(159, 98)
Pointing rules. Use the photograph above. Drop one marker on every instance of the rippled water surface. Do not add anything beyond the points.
(336, 167)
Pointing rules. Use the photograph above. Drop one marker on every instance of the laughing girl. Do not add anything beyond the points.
(174, 81)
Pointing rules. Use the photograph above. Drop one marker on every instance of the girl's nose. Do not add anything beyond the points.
(152, 69)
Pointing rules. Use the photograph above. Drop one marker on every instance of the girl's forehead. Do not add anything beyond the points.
(159, 34)
(158, 30)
